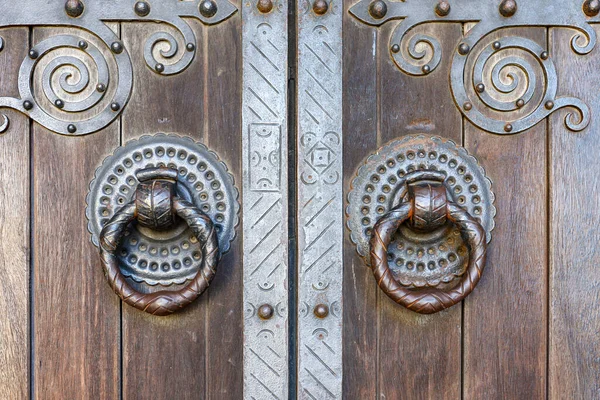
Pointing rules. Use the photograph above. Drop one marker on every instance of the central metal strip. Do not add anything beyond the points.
(320, 224)
(265, 200)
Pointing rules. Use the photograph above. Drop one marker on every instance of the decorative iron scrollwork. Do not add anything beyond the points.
(75, 73)
(501, 93)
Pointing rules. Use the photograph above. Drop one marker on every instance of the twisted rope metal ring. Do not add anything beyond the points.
(162, 302)
(429, 300)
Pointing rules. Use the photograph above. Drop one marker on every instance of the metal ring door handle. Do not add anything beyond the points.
(155, 206)
(426, 211)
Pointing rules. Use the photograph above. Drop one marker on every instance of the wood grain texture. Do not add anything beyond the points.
(574, 359)
(173, 347)
(360, 138)
(223, 94)
(76, 314)
(419, 355)
(505, 317)
(14, 227)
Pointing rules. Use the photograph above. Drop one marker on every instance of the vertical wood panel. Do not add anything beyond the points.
(164, 357)
(14, 226)
(419, 355)
(574, 359)
(360, 138)
(505, 317)
(76, 314)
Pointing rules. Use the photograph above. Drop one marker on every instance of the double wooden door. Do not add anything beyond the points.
(298, 128)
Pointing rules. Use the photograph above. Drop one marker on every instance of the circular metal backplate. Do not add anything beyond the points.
(416, 259)
(172, 256)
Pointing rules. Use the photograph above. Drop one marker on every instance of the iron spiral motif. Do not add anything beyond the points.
(76, 84)
(502, 86)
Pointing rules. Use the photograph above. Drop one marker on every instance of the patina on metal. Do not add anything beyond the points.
(159, 249)
(505, 106)
(427, 251)
(89, 61)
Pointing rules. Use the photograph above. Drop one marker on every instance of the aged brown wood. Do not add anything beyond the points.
(75, 314)
(574, 326)
(505, 317)
(14, 227)
(417, 105)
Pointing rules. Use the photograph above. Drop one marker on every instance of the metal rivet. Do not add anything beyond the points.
(208, 8)
(426, 69)
(544, 55)
(190, 47)
(28, 105)
(480, 88)
(265, 311)
(59, 103)
(264, 6)
(115, 106)
(321, 311)
(117, 47)
(463, 49)
(520, 103)
(508, 8)
(72, 128)
(320, 7)
(508, 128)
(442, 8)
(497, 45)
(82, 44)
(101, 87)
(378, 9)
(467, 106)
(160, 68)
(591, 8)
(33, 54)
(74, 8)
(142, 8)
(549, 105)
(395, 48)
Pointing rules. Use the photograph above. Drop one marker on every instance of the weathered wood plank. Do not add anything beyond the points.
(14, 226)
(574, 359)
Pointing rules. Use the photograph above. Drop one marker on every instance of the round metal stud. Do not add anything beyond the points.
(520, 103)
(442, 8)
(142, 8)
(59, 103)
(463, 49)
(480, 88)
(496, 45)
(591, 8)
(71, 128)
(101, 87)
(74, 8)
(508, 128)
(115, 107)
(266, 311)
(419, 259)
(320, 7)
(467, 106)
(33, 54)
(160, 68)
(190, 47)
(395, 48)
(426, 69)
(321, 311)
(544, 55)
(378, 9)
(172, 256)
(264, 6)
(549, 105)
(208, 8)
(117, 47)
(82, 44)
(508, 8)
(28, 105)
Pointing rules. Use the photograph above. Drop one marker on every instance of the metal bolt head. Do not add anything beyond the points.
(82, 44)
(115, 106)
(549, 105)
(117, 47)
(508, 8)
(74, 8)
(142, 8)
(378, 9)
(463, 49)
(544, 55)
(591, 8)
(508, 128)
(496, 45)
(395, 48)
(190, 47)
(442, 8)
(101, 87)
(480, 88)
(264, 6)
(320, 7)
(71, 128)
(28, 105)
(59, 103)
(160, 68)
(321, 311)
(467, 106)
(426, 69)
(208, 8)
(33, 54)
(520, 103)
(265, 311)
